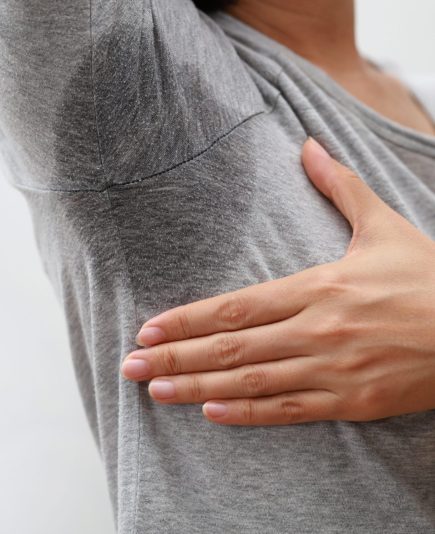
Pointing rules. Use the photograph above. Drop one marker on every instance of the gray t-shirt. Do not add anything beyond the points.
(158, 149)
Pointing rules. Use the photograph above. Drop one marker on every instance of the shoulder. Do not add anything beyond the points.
(167, 87)
(109, 92)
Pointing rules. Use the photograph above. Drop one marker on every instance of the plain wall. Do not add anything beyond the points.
(52, 480)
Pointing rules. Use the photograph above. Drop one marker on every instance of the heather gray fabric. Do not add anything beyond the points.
(158, 149)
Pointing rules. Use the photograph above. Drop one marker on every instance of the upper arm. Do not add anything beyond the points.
(44, 43)
(102, 92)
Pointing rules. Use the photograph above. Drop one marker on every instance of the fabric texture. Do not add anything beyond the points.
(158, 149)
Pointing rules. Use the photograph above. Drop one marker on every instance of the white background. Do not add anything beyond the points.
(51, 477)
(400, 30)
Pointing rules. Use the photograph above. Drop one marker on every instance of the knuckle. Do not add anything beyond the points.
(372, 396)
(345, 365)
(349, 175)
(291, 410)
(361, 403)
(170, 359)
(233, 312)
(335, 191)
(195, 389)
(253, 381)
(227, 351)
(334, 327)
(332, 283)
(183, 324)
(356, 361)
(338, 404)
(352, 176)
(248, 411)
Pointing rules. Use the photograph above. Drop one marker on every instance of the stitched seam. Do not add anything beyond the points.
(355, 111)
(380, 128)
(379, 131)
(406, 147)
(48, 190)
(94, 97)
(187, 160)
(429, 154)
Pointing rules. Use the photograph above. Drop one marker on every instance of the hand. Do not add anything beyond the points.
(349, 340)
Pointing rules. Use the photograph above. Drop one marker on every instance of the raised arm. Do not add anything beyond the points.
(92, 89)
(45, 46)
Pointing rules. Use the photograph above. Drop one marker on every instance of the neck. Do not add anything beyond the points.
(322, 31)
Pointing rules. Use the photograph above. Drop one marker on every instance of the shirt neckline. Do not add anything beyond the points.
(385, 127)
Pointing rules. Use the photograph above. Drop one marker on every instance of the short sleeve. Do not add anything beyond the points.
(101, 93)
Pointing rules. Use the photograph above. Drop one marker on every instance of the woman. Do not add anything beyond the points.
(159, 149)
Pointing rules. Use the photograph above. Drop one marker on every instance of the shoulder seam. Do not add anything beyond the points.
(112, 186)
(120, 186)
(94, 97)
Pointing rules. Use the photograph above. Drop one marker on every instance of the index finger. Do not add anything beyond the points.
(254, 305)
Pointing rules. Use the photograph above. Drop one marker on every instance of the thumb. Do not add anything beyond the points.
(353, 197)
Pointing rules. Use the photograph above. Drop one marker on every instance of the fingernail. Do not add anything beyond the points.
(215, 409)
(135, 368)
(162, 389)
(150, 335)
(157, 318)
(321, 152)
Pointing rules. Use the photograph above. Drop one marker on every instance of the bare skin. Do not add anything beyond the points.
(350, 340)
(323, 32)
